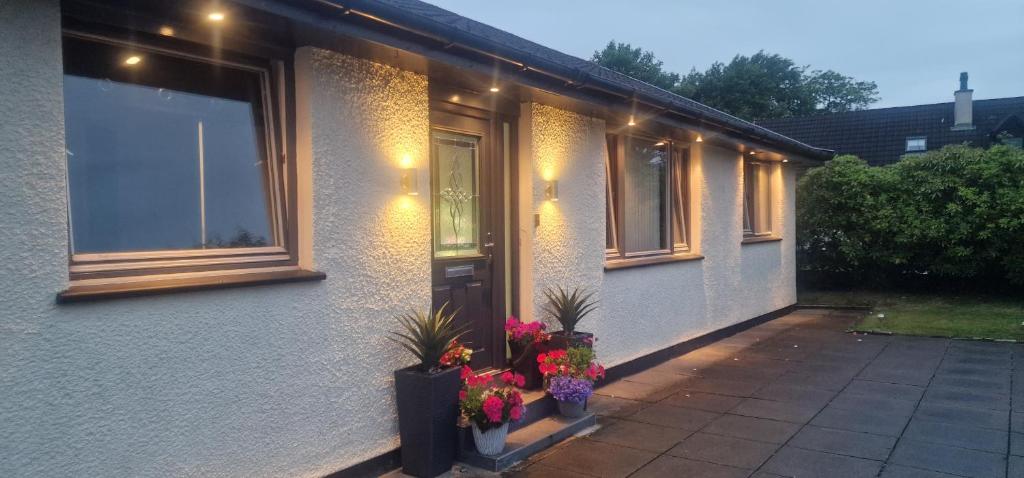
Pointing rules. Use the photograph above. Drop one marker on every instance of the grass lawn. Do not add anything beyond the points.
(941, 315)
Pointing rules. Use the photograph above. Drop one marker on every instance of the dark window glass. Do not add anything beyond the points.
(167, 153)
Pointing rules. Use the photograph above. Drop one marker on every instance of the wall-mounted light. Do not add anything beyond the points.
(700, 139)
(753, 153)
(551, 190)
(785, 160)
(632, 122)
(216, 16)
(660, 143)
(167, 31)
(495, 89)
(409, 182)
(132, 60)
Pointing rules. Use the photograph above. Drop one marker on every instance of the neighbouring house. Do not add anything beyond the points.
(882, 136)
(213, 212)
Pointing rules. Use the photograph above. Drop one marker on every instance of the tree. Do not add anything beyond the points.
(835, 93)
(755, 87)
(639, 64)
(760, 86)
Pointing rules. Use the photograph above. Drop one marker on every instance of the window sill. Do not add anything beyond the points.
(760, 239)
(650, 261)
(167, 285)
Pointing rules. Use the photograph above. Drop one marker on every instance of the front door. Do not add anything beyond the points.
(467, 191)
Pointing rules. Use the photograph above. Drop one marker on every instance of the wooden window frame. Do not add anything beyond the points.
(678, 197)
(137, 268)
(752, 229)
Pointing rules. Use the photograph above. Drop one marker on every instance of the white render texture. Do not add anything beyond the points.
(286, 380)
(645, 309)
(296, 380)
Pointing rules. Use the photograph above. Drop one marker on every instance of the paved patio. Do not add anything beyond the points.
(799, 397)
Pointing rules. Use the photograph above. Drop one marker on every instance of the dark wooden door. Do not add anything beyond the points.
(468, 221)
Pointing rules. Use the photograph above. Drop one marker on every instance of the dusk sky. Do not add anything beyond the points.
(913, 49)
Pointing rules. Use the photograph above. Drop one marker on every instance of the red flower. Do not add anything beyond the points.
(466, 372)
(492, 408)
(520, 380)
(516, 413)
(462, 395)
(541, 357)
(507, 378)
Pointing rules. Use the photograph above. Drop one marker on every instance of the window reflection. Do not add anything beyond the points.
(166, 154)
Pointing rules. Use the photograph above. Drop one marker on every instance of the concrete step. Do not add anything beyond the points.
(525, 441)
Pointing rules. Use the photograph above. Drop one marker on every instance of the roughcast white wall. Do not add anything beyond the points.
(285, 380)
(645, 309)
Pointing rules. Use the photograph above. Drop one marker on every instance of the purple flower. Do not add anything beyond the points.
(570, 389)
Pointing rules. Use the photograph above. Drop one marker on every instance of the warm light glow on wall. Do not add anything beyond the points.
(700, 139)
(132, 60)
(216, 16)
(406, 161)
(167, 31)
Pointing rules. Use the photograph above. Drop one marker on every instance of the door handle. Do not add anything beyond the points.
(489, 244)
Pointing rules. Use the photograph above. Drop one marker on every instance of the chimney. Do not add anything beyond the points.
(963, 106)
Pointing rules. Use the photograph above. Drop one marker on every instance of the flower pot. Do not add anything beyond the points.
(428, 410)
(492, 441)
(571, 409)
(524, 362)
(561, 340)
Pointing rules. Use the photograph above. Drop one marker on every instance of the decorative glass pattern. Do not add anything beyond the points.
(455, 190)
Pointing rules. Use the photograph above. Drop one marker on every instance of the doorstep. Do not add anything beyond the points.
(526, 441)
(540, 428)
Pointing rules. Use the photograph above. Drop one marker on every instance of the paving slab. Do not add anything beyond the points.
(796, 394)
(948, 459)
(867, 420)
(895, 391)
(723, 450)
(675, 417)
(798, 462)
(702, 401)
(795, 412)
(900, 471)
(643, 436)
(758, 429)
(963, 436)
(977, 417)
(598, 459)
(666, 466)
(843, 442)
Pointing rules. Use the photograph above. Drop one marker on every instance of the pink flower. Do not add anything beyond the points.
(462, 395)
(492, 408)
(507, 378)
(516, 413)
(466, 372)
(541, 357)
(520, 380)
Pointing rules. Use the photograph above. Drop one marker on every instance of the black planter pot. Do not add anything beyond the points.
(428, 412)
(524, 362)
(561, 340)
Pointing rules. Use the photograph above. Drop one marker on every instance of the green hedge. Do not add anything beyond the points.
(955, 215)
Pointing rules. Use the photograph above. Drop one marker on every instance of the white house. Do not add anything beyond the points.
(212, 211)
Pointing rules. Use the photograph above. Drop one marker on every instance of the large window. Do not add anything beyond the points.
(647, 199)
(757, 199)
(171, 161)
